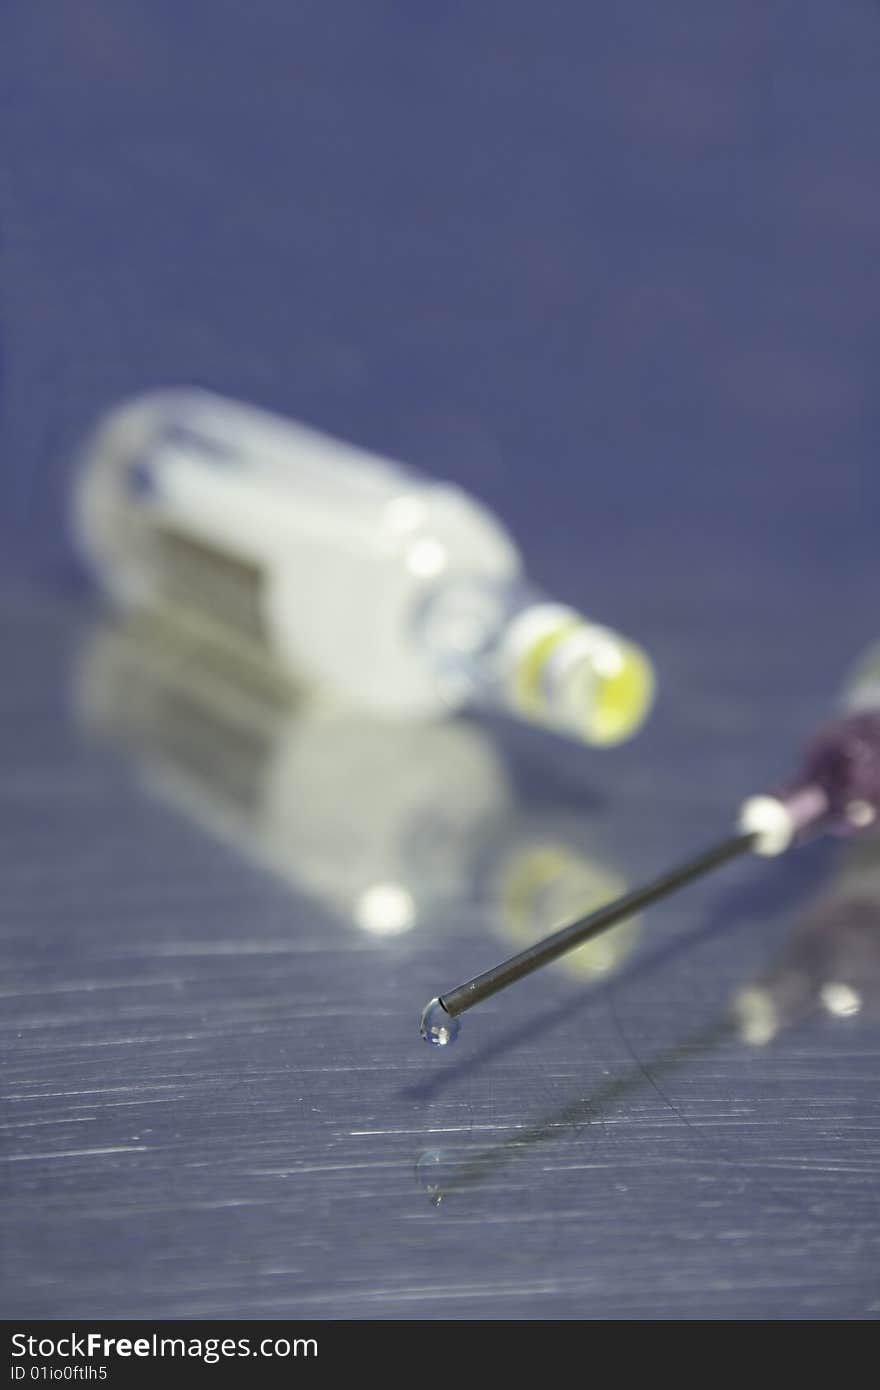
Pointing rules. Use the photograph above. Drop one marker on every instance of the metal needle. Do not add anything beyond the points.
(465, 996)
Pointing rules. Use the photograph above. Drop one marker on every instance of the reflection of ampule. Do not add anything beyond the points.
(382, 822)
(540, 881)
(395, 594)
(833, 960)
(366, 816)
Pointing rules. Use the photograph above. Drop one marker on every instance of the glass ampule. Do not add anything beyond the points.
(390, 591)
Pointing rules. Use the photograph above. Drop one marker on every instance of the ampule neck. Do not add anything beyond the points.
(506, 645)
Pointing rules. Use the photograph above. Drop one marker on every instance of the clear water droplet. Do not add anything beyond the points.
(436, 1026)
(435, 1172)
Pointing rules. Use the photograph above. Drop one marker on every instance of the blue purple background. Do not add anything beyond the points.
(614, 267)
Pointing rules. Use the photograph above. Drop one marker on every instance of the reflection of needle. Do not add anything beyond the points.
(439, 1018)
(448, 1178)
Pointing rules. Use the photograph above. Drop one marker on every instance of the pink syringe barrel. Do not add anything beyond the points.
(837, 790)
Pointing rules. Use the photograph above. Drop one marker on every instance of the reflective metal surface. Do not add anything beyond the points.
(614, 270)
(217, 1100)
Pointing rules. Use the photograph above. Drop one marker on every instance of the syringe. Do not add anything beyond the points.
(837, 791)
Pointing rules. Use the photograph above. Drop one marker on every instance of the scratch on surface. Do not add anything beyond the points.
(695, 1130)
(432, 1129)
(89, 986)
(292, 1172)
(62, 1120)
(78, 1153)
(95, 1091)
(196, 949)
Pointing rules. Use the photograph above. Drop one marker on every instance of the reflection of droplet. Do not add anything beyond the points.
(434, 1172)
(840, 999)
(386, 909)
(436, 1026)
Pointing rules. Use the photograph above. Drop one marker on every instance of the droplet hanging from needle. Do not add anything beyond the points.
(838, 790)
